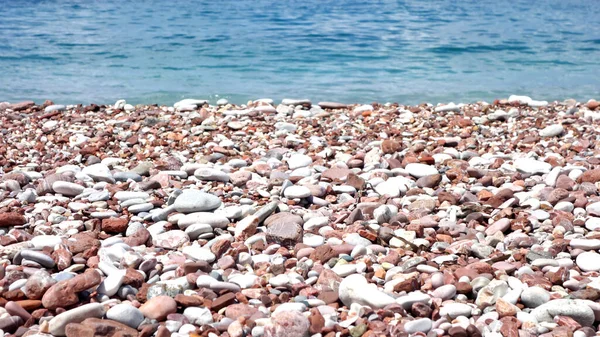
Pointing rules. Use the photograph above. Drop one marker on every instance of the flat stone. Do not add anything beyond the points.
(456, 309)
(585, 244)
(39, 257)
(588, 261)
(356, 289)
(288, 324)
(208, 174)
(58, 324)
(552, 130)
(67, 189)
(127, 195)
(159, 307)
(299, 160)
(532, 166)
(212, 219)
(533, 297)
(126, 314)
(198, 316)
(99, 172)
(419, 170)
(576, 309)
(293, 192)
(171, 240)
(199, 254)
(54, 107)
(418, 325)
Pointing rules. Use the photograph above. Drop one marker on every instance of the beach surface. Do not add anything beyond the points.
(300, 218)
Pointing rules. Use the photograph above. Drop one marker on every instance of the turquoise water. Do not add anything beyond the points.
(348, 51)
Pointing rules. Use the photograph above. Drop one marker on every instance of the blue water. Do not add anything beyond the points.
(348, 51)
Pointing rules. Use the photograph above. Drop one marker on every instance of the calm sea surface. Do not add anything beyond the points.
(348, 51)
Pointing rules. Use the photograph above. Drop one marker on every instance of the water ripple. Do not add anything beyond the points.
(410, 51)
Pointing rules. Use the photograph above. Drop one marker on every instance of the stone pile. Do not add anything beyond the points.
(300, 219)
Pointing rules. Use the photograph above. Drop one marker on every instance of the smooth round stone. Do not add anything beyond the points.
(344, 270)
(194, 231)
(99, 196)
(67, 189)
(592, 223)
(299, 307)
(553, 176)
(445, 292)
(159, 307)
(414, 297)
(533, 297)
(198, 316)
(39, 257)
(418, 325)
(588, 261)
(99, 172)
(437, 280)
(356, 289)
(42, 241)
(419, 170)
(104, 214)
(125, 176)
(532, 166)
(219, 286)
(423, 268)
(298, 161)
(17, 284)
(302, 172)
(210, 174)
(231, 212)
(55, 107)
(552, 130)
(564, 206)
(387, 188)
(299, 192)
(171, 240)
(28, 196)
(279, 280)
(190, 201)
(145, 207)
(133, 227)
(312, 240)
(456, 309)
(78, 206)
(576, 309)
(212, 219)
(585, 244)
(126, 195)
(126, 314)
(544, 262)
(199, 253)
(540, 214)
(355, 239)
(205, 281)
(111, 283)
(357, 251)
(58, 324)
(244, 280)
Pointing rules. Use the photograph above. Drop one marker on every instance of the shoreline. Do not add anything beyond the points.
(215, 100)
(360, 219)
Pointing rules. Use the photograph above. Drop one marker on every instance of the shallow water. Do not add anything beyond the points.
(403, 51)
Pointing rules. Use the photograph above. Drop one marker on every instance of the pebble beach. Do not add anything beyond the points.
(300, 218)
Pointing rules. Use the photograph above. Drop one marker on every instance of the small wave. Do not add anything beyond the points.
(594, 41)
(30, 57)
(478, 49)
(118, 56)
(70, 44)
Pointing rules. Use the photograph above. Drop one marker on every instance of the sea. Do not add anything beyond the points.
(346, 51)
